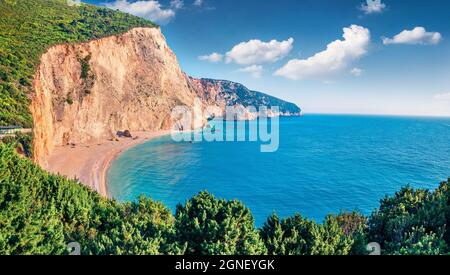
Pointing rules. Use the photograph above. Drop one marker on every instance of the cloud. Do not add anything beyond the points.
(373, 6)
(258, 52)
(418, 35)
(73, 3)
(151, 10)
(176, 4)
(254, 70)
(356, 72)
(338, 55)
(198, 3)
(443, 97)
(214, 57)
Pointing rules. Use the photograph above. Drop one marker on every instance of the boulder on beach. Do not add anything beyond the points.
(127, 134)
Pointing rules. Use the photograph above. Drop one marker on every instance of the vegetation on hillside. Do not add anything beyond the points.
(28, 28)
(236, 93)
(41, 213)
(23, 142)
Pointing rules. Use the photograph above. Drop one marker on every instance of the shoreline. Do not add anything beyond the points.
(89, 163)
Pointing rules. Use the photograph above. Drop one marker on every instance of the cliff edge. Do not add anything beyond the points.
(88, 92)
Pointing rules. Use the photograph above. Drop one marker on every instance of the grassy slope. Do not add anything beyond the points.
(28, 28)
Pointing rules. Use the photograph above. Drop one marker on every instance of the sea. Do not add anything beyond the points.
(324, 164)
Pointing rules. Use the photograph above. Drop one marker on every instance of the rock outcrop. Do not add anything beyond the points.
(87, 92)
(225, 93)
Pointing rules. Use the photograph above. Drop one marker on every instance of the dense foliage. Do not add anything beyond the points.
(299, 236)
(28, 28)
(209, 226)
(23, 142)
(41, 213)
(413, 222)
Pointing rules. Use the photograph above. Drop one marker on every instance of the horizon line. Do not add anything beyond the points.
(378, 114)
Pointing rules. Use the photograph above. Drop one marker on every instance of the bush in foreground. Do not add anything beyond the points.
(41, 213)
(209, 226)
(299, 236)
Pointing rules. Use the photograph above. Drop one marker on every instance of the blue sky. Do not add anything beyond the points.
(394, 59)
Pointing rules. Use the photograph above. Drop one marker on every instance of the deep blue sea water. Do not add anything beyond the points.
(325, 164)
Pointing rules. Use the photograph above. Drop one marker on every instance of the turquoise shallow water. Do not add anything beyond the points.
(324, 164)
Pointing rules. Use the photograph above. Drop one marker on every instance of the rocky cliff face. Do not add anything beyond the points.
(227, 93)
(90, 91)
(87, 92)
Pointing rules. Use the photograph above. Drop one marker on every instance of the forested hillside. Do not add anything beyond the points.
(41, 213)
(28, 28)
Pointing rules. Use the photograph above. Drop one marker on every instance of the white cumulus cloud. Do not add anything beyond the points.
(356, 72)
(151, 10)
(198, 3)
(337, 56)
(444, 97)
(418, 35)
(258, 52)
(214, 57)
(373, 6)
(254, 70)
(177, 4)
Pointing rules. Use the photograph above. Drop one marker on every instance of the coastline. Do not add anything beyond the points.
(89, 163)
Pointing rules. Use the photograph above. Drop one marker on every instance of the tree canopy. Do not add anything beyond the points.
(41, 213)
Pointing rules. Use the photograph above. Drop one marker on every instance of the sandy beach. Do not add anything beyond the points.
(89, 162)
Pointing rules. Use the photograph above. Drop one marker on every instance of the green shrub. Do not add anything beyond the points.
(85, 67)
(419, 242)
(399, 217)
(22, 141)
(354, 225)
(69, 100)
(299, 236)
(41, 213)
(209, 226)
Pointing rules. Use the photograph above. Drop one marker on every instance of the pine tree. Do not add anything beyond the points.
(209, 226)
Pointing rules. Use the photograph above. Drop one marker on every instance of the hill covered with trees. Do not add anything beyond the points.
(41, 213)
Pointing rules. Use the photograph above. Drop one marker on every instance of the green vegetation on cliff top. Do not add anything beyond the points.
(29, 27)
